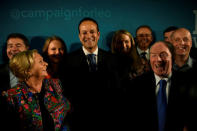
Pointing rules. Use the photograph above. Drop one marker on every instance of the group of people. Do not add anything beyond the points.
(140, 85)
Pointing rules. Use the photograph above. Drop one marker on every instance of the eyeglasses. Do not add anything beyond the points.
(144, 35)
(162, 55)
(185, 39)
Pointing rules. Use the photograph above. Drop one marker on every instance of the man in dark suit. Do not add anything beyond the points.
(91, 82)
(144, 38)
(15, 43)
(155, 101)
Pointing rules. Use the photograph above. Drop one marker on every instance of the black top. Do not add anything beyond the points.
(47, 120)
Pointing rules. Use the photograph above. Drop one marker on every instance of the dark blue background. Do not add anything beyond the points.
(39, 19)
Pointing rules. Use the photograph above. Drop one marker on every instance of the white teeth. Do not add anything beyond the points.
(159, 66)
(182, 48)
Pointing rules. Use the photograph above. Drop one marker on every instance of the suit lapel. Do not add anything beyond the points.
(83, 60)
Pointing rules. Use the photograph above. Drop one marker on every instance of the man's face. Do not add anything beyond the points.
(144, 38)
(182, 42)
(167, 36)
(14, 46)
(89, 35)
(160, 59)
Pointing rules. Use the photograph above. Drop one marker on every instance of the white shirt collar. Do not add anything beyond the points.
(141, 51)
(87, 52)
(157, 78)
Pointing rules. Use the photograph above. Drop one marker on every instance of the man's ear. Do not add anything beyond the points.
(79, 37)
(99, 34)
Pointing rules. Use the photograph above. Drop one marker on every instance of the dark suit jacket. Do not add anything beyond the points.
(190, 82)
(5, 77)
(92, 94)
(140, 104)
(5, 85)
(193, 53)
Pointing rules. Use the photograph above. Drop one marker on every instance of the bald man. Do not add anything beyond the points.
(181, 39)
(155, 91)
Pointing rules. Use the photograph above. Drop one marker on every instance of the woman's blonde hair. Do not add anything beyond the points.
(117, 38)
(133, 51)
(21, 63)
(49, 40)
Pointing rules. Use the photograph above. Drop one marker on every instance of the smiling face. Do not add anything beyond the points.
(39, 67)
(182, 42)
(161, 59)
(89, 35)
(125, 43)
(144, 38)
(55, 51)
(14, 46)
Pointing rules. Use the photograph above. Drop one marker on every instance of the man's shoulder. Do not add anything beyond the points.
(193, 53)
(76, 53)
(103, 54)
(4, 68)
(104, 51)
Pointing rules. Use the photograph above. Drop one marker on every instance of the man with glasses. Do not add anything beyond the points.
(144, 38)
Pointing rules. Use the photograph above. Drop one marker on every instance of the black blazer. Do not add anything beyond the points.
(5, 115)
(92, 94)
(5, 77)
(141, 106)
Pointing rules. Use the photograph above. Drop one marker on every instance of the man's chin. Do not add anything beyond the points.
(90, 47)
(181, 53)
(162, 73)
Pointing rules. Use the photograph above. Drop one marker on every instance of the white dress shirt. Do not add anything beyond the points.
(141, 51)
(87, 53)
(168, 80)
(13, 80)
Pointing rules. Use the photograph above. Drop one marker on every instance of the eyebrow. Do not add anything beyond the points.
(14, 44)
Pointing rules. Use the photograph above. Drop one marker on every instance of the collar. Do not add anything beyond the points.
(141, 51)
(187, 65)
(87, 53)
(157, 78)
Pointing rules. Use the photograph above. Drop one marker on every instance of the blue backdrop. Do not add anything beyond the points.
(39, 19)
